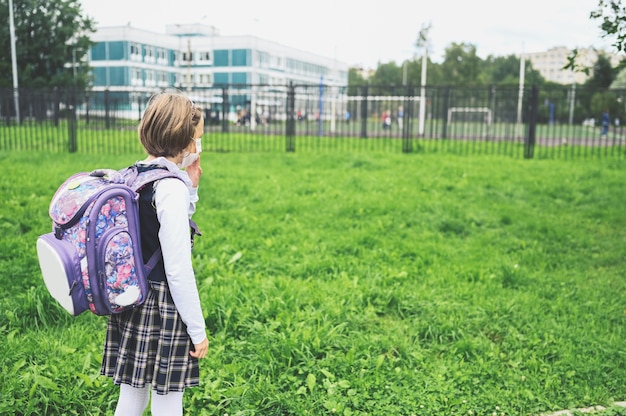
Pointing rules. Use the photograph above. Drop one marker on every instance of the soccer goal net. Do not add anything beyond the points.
(469, 114)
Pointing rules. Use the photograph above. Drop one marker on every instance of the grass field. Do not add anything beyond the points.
(355, 284)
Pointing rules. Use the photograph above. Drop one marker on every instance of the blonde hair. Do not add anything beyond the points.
(168, 124)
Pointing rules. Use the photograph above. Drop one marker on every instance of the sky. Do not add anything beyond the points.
(366, 32)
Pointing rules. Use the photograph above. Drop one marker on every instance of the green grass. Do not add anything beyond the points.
(355, 284)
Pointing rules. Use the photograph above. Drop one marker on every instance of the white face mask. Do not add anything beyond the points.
(189, 158)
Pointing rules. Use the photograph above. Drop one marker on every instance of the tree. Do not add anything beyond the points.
(461, 65)
(505, 70)
(613, 23)
(355, 80)
(613, 17)
(387, 74)
(52, 38)
(603, 74)
(604, 100)
(619, 83)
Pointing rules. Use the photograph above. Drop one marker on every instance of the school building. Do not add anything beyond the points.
(130, 63)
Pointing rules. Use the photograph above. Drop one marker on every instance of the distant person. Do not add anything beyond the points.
(606, 120)
(266, 116)
(400, 117)
(386, 119)
(347, 117)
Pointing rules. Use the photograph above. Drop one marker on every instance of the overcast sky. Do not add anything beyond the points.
(366, 32)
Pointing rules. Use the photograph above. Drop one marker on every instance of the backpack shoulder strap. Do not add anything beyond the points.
(137, 179)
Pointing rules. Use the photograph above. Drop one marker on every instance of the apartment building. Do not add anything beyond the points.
(551, 62)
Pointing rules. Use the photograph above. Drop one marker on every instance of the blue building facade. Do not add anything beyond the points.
(130, 64)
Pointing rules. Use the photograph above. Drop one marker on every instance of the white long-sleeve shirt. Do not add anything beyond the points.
(175, 202)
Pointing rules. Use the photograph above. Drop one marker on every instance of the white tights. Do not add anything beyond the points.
(133, 402)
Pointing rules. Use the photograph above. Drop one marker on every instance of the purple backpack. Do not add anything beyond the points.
(92, 259)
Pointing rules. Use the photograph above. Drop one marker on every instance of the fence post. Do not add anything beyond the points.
(6, 107)
(71, 122)
(139, 102)
(57, 106)
(406, 120)
(290, 125)
(446, 104)
(530, 139)
(225, 105)
(107, 120)
(364, 111)
(87, 109)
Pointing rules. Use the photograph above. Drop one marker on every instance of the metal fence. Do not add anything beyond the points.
(527, 122)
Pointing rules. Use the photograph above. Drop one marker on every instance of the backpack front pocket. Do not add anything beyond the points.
(124, 284)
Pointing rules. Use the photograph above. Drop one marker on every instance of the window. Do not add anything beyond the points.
(161, 55)
(220, 78)
(240, 78)
(240, 57)
(264, 59)
(150, 55)
(220, 58)
(276, 62)
(204, 57)
(99, 76)
(205, 79)
(118, 76)
(98, 52)
(135, 51)
(117, 51)
(136, 77)
(150, 78)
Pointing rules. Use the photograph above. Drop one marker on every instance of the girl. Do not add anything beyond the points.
(157, 345)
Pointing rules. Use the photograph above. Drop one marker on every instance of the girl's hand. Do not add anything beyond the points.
(200, 349)
(194, 171)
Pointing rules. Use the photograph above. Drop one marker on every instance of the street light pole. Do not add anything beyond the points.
(423, 90)
(16, 98)
(423, 41)
(520, 94)
(404, 73)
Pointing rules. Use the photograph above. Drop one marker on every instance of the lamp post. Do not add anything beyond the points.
(423, 90)
(16, 97)
(254, 54)
(422, 41)
(404, 72)
(520, 94)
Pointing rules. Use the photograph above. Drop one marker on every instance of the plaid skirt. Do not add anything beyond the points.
(150, 345)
